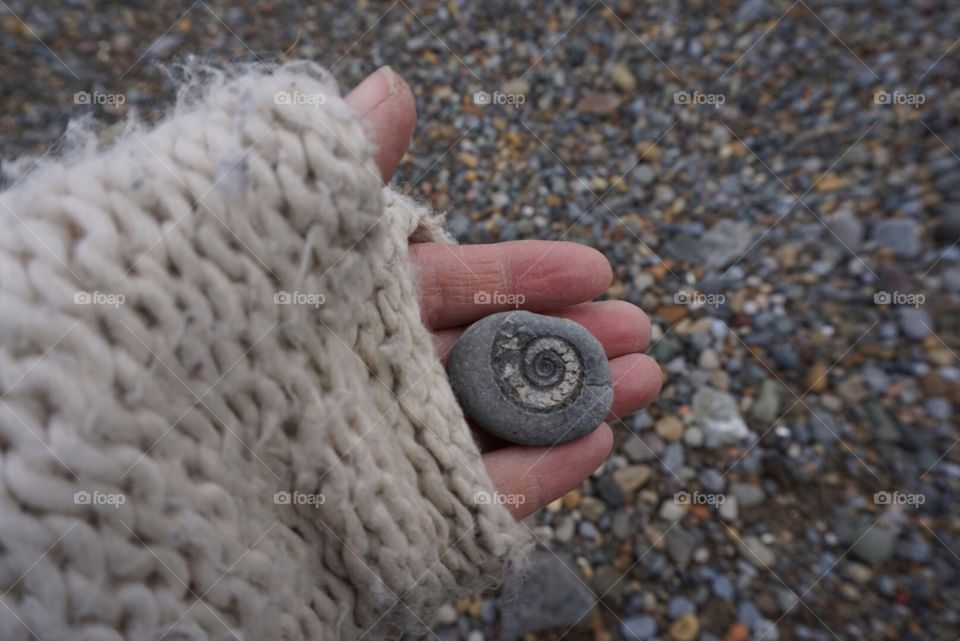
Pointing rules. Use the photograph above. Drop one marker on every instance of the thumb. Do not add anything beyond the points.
(387, 109)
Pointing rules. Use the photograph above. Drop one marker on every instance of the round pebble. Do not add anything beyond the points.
(531, 379)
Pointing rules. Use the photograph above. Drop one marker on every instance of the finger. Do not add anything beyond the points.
(619, 326)
(460, 284)
(385, 105)
(637, 380)
(542, 474)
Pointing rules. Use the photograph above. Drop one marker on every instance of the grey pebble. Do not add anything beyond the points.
(938, 407)
(748, 614)
(722, 588)
(587, 530)
(746, 494)
(876, 545)
(898, 235)
(678, 606)
(915, 322)
(531, 379)
(679, 547)
(711, 480)
(638, 628)
(766, 629)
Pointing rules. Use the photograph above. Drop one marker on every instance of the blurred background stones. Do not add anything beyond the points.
(777, 184)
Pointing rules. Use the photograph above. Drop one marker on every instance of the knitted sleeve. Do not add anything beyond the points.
(221, 416)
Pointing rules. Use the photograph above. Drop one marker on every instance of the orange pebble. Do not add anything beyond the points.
(737, 632)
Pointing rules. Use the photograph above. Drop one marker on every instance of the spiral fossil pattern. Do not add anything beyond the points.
(537, 372)
(531, 379)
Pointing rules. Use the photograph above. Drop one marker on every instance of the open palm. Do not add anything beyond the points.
(550, 277)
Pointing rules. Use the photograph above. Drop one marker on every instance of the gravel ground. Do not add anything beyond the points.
(777, 184)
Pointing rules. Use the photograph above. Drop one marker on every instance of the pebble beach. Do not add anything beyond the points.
(776, 184)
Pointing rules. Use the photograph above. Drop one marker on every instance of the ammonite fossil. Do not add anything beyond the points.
(531, 379)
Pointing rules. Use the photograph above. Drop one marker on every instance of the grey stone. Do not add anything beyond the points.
(638, 628)
(679, 546)
(587, 530)
(672, 511)
(609, 490)
(725, 242)
(785, 356)
(752, 10)
(717, 413)
(722, 588)
(948, 231)
(746, 494)
(644, 174)
(766, 629)
(847, 230)
(899, 235)
(637, 450)
(531, 379)
(693, 436)
(938, 407)
(729, 510)
(564, 529)
(753, 551)
(875, 545)
(673, 458)
(620, 526)
(640, 421)
(678, 606)
(766, 408)
(915, 322)
(748, 614)
(711, 480)
(685, 250)
(549, 595)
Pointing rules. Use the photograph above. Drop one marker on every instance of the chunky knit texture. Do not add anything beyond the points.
(145, 435)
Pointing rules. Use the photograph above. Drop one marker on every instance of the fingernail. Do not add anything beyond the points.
(374, 90)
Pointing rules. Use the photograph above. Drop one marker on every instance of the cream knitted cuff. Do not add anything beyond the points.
(222, 416)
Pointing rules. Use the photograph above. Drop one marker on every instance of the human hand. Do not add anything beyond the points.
(557, 278)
